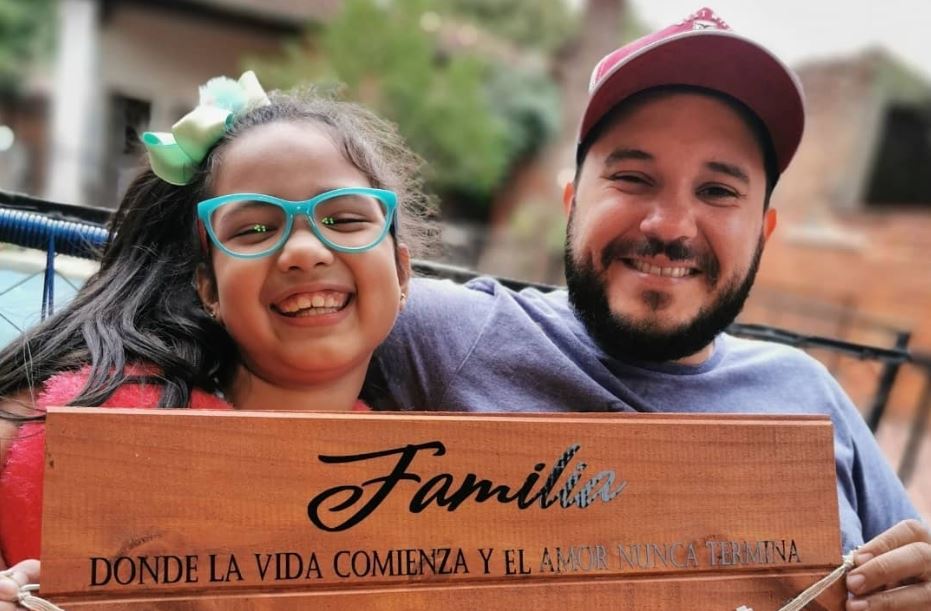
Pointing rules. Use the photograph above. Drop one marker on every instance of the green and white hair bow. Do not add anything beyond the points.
(175, 156)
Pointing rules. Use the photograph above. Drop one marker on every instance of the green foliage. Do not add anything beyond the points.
(469, 116)
(25, 36)
(390, 63)
(528, 103)
(539, 24)
(896, 80)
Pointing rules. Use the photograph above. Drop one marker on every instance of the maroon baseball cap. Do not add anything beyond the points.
(703, 51)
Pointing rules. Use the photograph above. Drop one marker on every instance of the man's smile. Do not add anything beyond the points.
(658, 269)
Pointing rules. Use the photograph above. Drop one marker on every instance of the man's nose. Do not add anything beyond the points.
(302, 249)
(670, 219)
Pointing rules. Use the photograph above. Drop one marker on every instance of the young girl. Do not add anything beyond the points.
(262, 275)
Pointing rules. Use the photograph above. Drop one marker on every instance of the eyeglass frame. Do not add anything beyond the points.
(292, 208)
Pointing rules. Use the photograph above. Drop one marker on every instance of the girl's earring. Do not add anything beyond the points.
(403, 300)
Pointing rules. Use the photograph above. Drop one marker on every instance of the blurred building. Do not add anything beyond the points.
(850, 257)
(23, 118)
(126, 65)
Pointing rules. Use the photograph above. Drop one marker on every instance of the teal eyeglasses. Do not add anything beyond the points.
(253, 225)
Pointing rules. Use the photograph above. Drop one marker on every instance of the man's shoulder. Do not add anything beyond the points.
(777, 357)
(433, 299)
(431, 290)
(481, 294)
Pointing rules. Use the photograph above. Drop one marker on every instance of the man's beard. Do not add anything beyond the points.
(625, 338)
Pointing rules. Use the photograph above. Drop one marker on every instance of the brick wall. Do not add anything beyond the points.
(831, 247)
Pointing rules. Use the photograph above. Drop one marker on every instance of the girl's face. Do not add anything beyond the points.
(303, 315)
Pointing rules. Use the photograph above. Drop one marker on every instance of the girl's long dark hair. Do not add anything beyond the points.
(141, 307)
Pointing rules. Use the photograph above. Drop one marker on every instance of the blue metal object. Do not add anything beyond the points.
(33, 230)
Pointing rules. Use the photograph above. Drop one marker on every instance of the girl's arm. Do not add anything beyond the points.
(27, 571)
(20, 404)
(8, 430)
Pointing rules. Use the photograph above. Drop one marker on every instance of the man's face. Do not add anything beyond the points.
(666, 227)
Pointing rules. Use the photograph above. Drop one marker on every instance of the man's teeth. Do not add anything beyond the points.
(672, 272)
(318, 302)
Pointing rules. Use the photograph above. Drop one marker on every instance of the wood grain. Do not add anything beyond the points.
(723, 510)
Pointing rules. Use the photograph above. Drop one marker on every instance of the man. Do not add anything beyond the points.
(684, 137)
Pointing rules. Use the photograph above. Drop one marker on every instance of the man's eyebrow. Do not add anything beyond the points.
(730, 169)
(624, 154)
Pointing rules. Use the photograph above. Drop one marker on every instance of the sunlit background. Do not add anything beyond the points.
(489, 92)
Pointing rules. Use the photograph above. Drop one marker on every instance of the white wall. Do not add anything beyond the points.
(163, 56)
(138, 51)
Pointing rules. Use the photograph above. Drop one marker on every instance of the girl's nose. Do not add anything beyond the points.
(303, 249)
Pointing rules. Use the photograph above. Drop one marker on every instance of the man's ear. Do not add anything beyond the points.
(769, 223)
(403, 258)
(207, 291)
(568, 197)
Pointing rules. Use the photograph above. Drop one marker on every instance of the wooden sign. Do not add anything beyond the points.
(158, 509)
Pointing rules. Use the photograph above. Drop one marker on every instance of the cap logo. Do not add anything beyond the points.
(700, 24)
(705, 19)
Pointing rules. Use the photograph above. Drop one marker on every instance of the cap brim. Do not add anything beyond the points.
(713, 59)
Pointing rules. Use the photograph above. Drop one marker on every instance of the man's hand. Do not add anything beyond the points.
(12, 579)
(893, 570)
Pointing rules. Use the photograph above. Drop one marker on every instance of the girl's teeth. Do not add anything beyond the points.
(323, 302)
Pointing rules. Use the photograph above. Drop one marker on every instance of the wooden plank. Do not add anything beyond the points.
(756, 592)
(240, 506)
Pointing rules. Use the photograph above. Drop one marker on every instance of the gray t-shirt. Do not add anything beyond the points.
(481, 347)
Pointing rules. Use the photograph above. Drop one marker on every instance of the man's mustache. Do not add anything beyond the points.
(676, 250)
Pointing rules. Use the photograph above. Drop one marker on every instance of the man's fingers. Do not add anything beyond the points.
(12, 579)
(907, 564)
(10, 582)
(908, 598)
(903, 533)
(898, 556)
